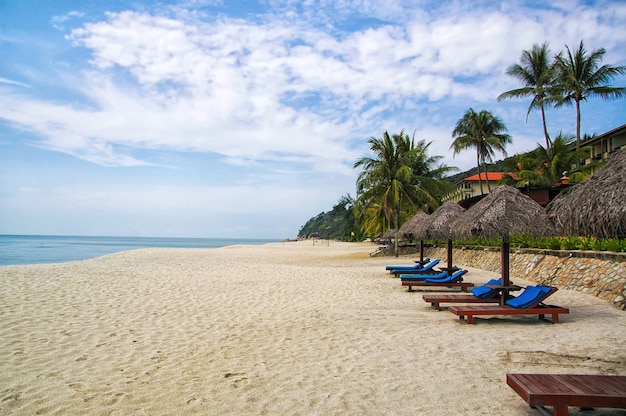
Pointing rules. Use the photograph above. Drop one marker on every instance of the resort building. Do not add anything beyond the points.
(605, 144)
(470, 186)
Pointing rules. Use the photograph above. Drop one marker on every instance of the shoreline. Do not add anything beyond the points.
(280, 328)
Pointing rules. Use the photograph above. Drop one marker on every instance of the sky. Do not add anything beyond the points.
(243, 119)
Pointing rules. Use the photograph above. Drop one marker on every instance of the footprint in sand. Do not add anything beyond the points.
(237, 378)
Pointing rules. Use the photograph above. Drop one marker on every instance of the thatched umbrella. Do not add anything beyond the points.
(502, 212)
(438, 225)
(410, 227)
(596, 207)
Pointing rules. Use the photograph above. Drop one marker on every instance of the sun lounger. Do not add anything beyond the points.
(425, 269)
(417, 266)
(529, 302)
(452, 281)
(480, 294)
(433, 275)
(563, 390)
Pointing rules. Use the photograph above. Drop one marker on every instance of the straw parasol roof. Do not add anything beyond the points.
(438, 225)
(439, 222)
(504, 211)
(596, 207)
(410, 226)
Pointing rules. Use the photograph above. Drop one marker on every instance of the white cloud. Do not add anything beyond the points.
(291, 93)
(58, 22)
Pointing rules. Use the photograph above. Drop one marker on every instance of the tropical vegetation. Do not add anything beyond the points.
(485, 133)
(537, 73)
(396, 182)
(580, 76)
(547, 165)
(337, 224)
(567, 79)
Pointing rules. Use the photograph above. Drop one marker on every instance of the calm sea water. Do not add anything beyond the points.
(31, 249)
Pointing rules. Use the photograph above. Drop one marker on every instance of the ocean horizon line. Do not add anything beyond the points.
(138, 236)
(22, 249)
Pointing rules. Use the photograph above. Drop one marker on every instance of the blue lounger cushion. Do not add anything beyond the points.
(424, 276)
(448, 279)
(530, 295)
(484, 292)
(416, 266)
(426, 268)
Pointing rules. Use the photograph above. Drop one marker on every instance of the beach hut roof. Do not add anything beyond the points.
(410, 226)
(439, 222)
(504, 211)
(597, 206)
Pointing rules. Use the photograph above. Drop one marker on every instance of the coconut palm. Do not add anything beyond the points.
(395, 182)
(580, 76)
(484, 132)
(536, 72)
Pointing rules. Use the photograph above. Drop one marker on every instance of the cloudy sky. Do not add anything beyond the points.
(219, 118)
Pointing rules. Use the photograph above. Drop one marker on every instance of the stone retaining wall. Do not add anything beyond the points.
(598, 273)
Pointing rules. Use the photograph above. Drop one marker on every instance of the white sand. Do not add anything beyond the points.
(281, 329)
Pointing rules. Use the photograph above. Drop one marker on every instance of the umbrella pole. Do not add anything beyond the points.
(421, 250)
(504, 261)
(449, 254)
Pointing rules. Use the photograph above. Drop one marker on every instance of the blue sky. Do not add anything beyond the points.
(216, 118)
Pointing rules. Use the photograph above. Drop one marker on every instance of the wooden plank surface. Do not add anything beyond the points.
(570, 389)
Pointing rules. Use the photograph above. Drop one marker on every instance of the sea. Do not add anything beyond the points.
(41, 249)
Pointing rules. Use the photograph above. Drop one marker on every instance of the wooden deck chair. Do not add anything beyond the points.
(417, 266)
(423, 270)
(480, 294)
(529, 302)
(452, 281)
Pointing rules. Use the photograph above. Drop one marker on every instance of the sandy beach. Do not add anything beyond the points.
(281, 329)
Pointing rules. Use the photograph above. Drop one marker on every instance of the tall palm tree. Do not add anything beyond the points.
(386, 178)
(484, 132)
(580, 76)
(536, 72)
(394, 182)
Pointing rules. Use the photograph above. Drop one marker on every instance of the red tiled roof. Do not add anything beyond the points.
(491, 176)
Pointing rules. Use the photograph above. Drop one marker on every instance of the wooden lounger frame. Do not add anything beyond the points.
(470, 311)
(563, 390)
(436, 299)
(462, 285)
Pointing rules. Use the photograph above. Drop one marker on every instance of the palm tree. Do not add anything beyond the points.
(395, 182)
(428, 178)
(536, 72)
(484, 132)
(580, 76)
(559, 160)
(386, 178)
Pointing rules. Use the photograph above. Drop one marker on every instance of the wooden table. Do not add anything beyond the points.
(505, 291)
(449, 270)
(563, 390)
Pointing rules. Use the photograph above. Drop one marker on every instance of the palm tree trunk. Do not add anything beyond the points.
(545, 126)
(396, 212)
(480, 182)
(486, 177)
(577, 130)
